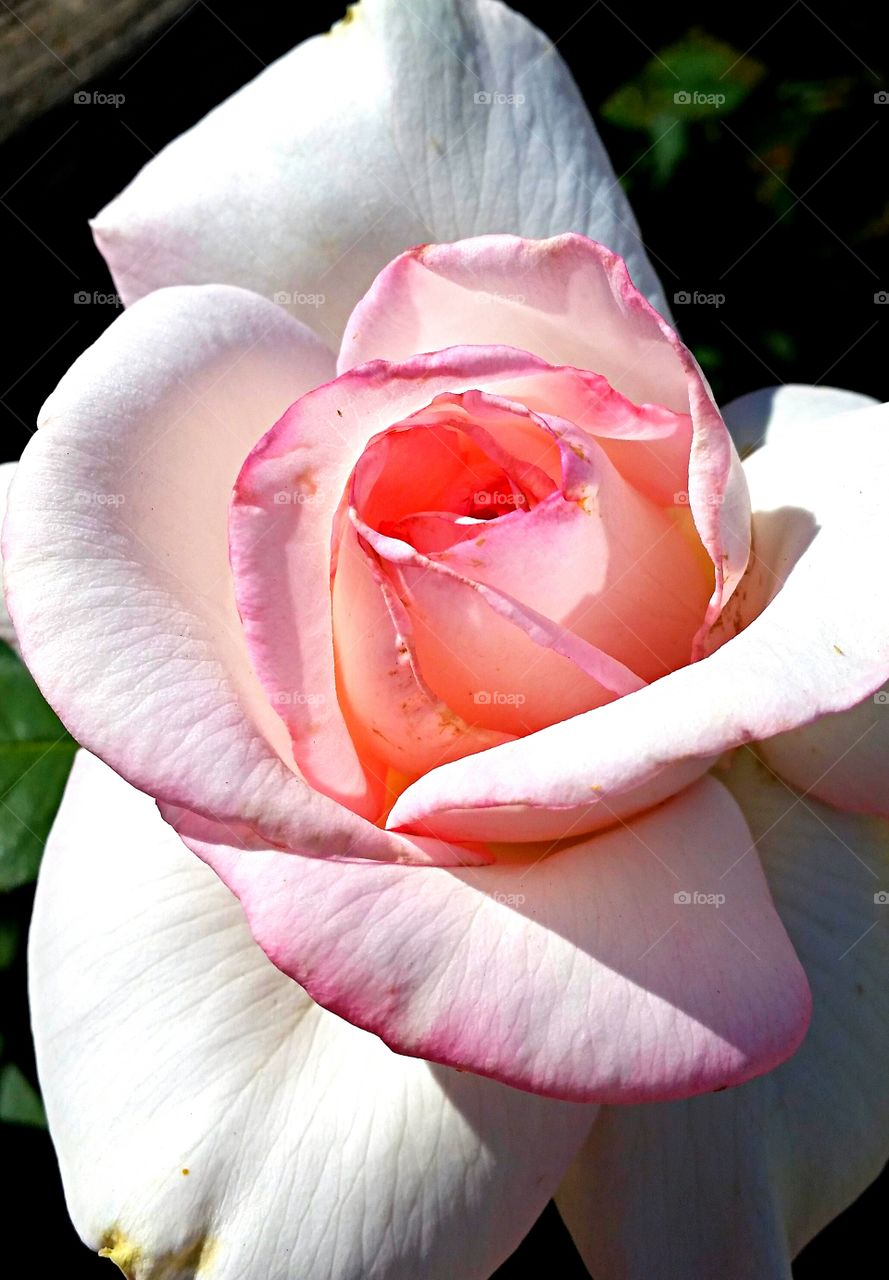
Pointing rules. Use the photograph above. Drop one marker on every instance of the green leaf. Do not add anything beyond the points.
(19, 1101)
(697, 78)
(36, 753)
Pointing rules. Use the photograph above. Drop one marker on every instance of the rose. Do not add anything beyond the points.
(596, 582)
(578, 975)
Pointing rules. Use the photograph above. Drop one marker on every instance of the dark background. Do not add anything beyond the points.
(781, 204)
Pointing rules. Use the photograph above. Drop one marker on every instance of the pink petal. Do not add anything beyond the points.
(571, 301)
(816, 640)
(208, 1116)
(751, 1160)
(480, 647)
(116, 525)
(579, 975)
(626, 576)
(282, 514)
(395, 718)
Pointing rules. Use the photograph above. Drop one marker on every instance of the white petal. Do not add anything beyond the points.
(841, 758)
(764, 414)
(167, 1042)
(363, 142)
(735, 1183)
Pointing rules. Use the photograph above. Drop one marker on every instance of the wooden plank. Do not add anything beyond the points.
(52, 49)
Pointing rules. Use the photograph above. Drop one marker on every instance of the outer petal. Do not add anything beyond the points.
(766, 414)
(579, 975)
(818, 642)
(210, 1119)
(362, 142)
(7, 632)
(734, 1184)
(572, 302)
(117, 523)
(843, 758)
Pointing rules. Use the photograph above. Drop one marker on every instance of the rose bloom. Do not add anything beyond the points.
(532, 781)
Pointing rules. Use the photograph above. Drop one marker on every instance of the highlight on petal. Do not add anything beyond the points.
(736, 1183)
(618, 968)
(209, 1117)
(571, 301)
(438, 161)
(117, 524)
(813, 613)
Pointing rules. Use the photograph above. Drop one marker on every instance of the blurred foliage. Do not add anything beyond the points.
(682, 85)
(35, 756)
(36, 753)
(756, 182)
(19, 1100)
